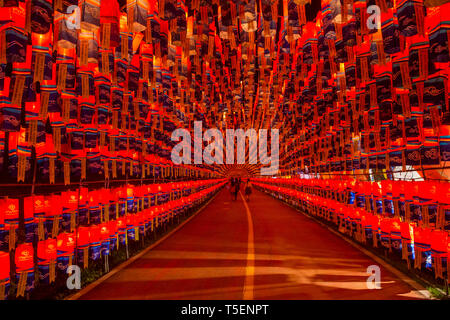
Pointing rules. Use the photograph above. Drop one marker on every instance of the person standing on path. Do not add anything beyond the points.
(248, 190)
(236, 189)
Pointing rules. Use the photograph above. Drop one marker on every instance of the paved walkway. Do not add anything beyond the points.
(263, 250)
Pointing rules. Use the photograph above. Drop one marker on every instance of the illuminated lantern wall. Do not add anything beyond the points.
(91, 91)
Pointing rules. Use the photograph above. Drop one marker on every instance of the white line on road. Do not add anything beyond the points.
(250, 268)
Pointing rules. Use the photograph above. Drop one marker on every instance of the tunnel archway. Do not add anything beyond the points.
(243, 170)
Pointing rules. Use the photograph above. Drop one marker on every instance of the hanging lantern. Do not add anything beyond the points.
(41, 16)
(42, 59)
(137, 15)
(15, 36)
(113, 234)
(65, 244)
(11, 220)
(83, 244)
(53, 219)
(396, 235)
(4, 245)
(46, 254)
(122, 229)
(439, 243)
(90, 15)
(422, 247)
(131, 227)
(105, 239)
(95, 242)
(24, 269)
(38, 205)
(66, 31)
(94, 208)
(70, 202)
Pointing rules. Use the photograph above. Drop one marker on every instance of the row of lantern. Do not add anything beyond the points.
(400, 143)
(97, 124)
(135, 211)
(89, 163)
(110, 156)
(426, 203)
(370, 98)
(424, 246)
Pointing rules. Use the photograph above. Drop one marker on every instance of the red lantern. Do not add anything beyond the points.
(24, 257)
(422, 236)
(2, 221)
(439, 241)
(47, 250)
(444, 193)
(83, 236)
(94, 234)
(11, 210)
(65, 243)
(38, 206)
(112, 227)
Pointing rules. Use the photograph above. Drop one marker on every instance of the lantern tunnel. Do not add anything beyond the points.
(230, 150)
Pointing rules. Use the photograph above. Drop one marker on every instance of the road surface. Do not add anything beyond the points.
(262, 249)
